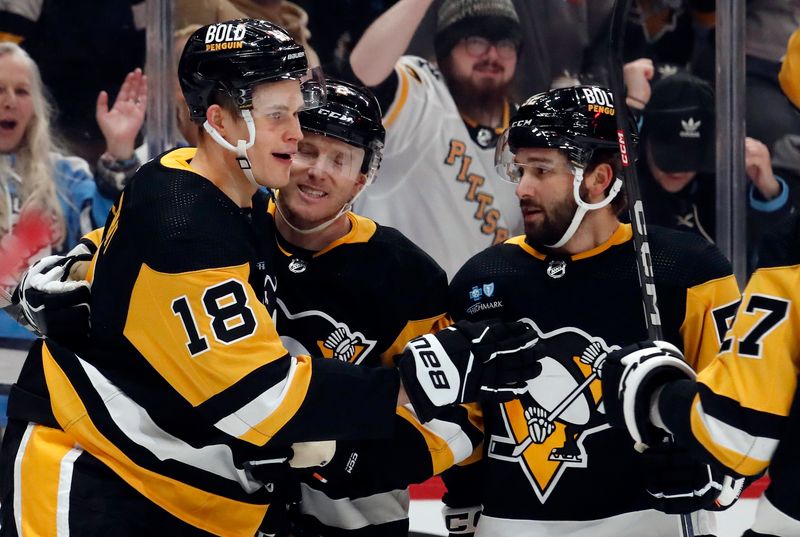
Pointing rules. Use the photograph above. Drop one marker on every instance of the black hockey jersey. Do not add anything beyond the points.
(566, 467)
(184, 379)
(360, 300)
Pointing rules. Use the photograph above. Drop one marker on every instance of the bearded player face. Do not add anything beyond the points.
(545, 194)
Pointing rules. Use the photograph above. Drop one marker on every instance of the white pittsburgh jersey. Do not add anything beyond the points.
(437, 185)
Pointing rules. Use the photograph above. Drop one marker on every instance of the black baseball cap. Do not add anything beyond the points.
(678, 124)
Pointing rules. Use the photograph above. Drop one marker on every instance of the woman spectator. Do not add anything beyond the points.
(36, 177)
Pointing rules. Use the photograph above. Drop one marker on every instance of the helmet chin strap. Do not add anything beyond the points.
(241, 146)
(584, 207)
(346, 207)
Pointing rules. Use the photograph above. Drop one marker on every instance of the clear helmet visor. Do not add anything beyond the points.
(312, 85)
(504, 164)
(330, 156)
(509, 168)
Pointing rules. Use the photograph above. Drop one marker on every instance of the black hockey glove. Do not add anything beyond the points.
(461, 521)
(631, 377)
(466, 362)
(678, 484)
(53, 305)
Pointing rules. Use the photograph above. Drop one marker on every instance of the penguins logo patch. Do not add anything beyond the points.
(546, 427)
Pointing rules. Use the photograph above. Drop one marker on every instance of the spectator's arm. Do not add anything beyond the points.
(638, 75)
(758, 166)
(374, 56)
(120, 126)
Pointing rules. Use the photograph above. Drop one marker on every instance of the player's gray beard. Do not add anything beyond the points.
(471, 99)
(555, 222)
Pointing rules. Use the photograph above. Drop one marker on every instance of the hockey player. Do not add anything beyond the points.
(328, 295)
(742, 412)
(321, 253)
(176, 412)
(552, 465)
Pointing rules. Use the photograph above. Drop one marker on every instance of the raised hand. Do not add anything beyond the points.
(122, 122)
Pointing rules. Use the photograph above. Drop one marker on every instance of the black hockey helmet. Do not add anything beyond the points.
(351, 114)
(578, 120)
(234, 56)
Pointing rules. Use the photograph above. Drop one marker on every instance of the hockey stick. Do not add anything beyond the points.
(644, 263)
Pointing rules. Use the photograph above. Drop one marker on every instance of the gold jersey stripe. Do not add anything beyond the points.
(738, 462)
(39, 480)
(441, 455)
(699, 332)
(205, 510)
(400, 101)
(160, 335)
(260, 433)
(412, 329)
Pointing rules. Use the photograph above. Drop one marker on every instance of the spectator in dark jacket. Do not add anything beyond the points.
(676, 165)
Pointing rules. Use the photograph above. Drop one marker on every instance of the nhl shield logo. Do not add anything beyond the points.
(297, 265)
(557, 269)
(488, 289)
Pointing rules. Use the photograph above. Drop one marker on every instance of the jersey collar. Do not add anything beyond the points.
(622, 234)
(361, 230)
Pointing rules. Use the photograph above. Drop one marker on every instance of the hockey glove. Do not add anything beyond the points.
(678, 484)
(631, 378)
(466, 362)
(52, 304)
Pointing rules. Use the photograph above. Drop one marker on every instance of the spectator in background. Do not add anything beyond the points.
(564, 42)
(781, 246)
(81, 48)
(676, 164)
(768, 25)
(288, 15)
(36, 176)
(675, 34)
(438, 185)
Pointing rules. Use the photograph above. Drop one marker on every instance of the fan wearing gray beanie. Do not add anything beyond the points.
(437, 183)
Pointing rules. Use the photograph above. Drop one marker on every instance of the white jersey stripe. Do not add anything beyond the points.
(64, 488)
(354, 513)
(259, 409)
(139, 427)
(23, 444)
(729, 437)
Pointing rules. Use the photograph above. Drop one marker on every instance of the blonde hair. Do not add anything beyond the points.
(34, 164)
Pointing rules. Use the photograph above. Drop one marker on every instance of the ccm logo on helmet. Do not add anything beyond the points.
(225, 33)
(344, 118)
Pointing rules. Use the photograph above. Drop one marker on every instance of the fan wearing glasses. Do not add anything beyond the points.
(438, 185)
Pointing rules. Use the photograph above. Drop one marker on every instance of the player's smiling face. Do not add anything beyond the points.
(545, 194)
(275, 108)
(325, 176)
(16, 101)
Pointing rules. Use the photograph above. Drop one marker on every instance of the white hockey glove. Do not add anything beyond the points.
(53, 305)
(461, 521)
(631, 378)
(466, 362)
